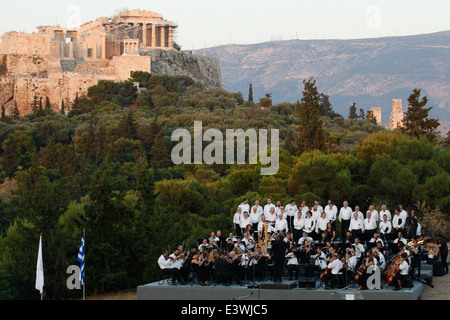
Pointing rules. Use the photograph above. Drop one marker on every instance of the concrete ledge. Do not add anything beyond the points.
(154, 291)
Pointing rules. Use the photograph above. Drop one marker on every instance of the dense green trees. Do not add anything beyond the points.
(106, 167)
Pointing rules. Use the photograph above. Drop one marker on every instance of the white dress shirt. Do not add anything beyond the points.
(331, 213)
(281, 225)
(237, 219)
(163, 263)
(255, 217)
(310, 224)
(177, 263)
(245, 222)
(356, 224)
(271, 217)
(299, 223)
(387, 213)
(316, 214)
(335, 266)
(259, 209)
(359, 250)
(292, 259)
(270, 229)
(370, 224)
(244, 207)
(404, 267)
(291, 210)
(398, 221)
(385, 227)
(374, 214)
(267, 208)
(321, 224)
(345, 213)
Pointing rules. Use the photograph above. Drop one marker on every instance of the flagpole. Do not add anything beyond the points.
(42, 293)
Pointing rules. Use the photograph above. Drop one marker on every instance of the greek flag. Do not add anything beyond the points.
(81, 260)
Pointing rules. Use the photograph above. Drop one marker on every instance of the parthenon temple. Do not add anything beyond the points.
(61, 63)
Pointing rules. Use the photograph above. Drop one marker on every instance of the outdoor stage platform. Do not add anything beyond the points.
(269, 291)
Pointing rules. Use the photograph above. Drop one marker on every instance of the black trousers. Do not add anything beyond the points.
(278, 269)
(290, 223)
(444, 260)
(344, 227)
(175, 273)
(292, 268)
(297, 235)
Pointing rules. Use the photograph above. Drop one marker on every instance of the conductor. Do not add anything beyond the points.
(278, 255)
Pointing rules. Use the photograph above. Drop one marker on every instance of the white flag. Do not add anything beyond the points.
(40, 269)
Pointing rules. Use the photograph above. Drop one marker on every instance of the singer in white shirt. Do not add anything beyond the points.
(370, 226)
(321, 225)
(268, 207)
(331, 211)
(356, 225)
(299, 224)
(281, 224)
(386, 212)
(345, 215)
(373, 213)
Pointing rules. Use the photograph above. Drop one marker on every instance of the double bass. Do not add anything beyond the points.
(363, 268)
(393, 269)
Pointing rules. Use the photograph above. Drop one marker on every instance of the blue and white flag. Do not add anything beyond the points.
(80, 258)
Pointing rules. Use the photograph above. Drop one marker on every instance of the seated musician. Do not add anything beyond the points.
(320, 260)
(292, 262)
(362, 280)
(212, 245)
(203, 245)
(335, 267)
(348, 240)
(165, 264)
(220, 240)
(398, 243)
(249, 230)
(305, 239)
(231, 237)
(179, 259)
(380, 259)
(359, 249)
(223, 270)
(203, 274)
(263, 222)
(350, 261)
(248, 241)
(240, 246)
(375, 239)
(289, 240)
(259, 263)
(403, 273)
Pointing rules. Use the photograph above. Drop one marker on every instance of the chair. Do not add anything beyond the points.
(164, 278)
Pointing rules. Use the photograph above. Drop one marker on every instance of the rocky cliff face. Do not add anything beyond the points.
(202, 69)
(7, 92)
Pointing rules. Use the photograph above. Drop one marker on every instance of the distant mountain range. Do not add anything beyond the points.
(369, 72)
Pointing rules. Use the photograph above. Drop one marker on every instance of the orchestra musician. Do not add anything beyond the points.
(334, 266)
(223, 270)
(292, 262)
(363, 276)
(403, 272)
(165, 264)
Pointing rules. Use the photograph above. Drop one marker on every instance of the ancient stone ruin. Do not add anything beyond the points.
(60, 63)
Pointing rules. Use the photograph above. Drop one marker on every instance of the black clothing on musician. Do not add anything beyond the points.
(278, 251)
(223, 271)
(443, 252)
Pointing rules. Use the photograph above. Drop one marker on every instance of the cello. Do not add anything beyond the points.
(327, 271)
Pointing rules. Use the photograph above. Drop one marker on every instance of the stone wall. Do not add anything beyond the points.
(202, 69)
(125, 65)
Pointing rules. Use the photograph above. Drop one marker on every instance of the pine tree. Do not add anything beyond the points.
(361, 114)
(16, 113)
(416, 122)
(47, 103)
(3, 113)
(371, 117)
(63, 109)
(311, 135)
(34, 104)
(40, 106)
(159, 152)
(250, 93)
(352, 113)
(129, 126)
(325, 109)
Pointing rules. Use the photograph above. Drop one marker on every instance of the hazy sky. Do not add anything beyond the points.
(206, 23)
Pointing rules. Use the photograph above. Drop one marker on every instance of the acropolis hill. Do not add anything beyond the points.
(60, 63)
